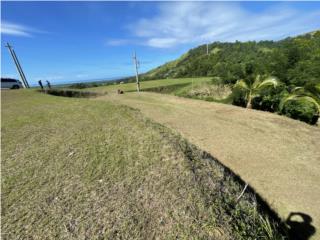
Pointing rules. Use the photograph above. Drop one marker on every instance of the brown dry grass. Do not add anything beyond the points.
(82, 169)
(278, 156)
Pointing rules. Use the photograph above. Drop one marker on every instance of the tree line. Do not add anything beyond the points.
(276, 76)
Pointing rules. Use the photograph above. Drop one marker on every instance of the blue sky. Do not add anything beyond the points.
(75, 41)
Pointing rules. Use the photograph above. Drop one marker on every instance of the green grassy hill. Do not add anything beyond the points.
(176, 83)
(83, 169)
(293, 60)
(294, 63)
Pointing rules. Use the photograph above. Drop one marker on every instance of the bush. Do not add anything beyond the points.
(72, 93)
(78, 85)
(238, 97)
(84, 85)
(269, 99)
(301, 110)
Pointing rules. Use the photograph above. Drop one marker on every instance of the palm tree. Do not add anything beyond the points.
(253, 86)
(309, 93)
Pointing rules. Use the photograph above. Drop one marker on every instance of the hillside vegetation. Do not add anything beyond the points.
(294, 64)
(84, 169)
(176, 83)
(238, 73)
(293, 60)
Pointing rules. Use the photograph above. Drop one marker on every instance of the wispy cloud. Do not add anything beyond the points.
(200, 22)
(15, 29)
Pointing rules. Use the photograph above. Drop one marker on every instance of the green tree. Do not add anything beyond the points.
(252, 86)
(308, 95)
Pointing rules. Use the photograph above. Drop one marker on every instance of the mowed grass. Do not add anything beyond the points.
(144, 85)
(83, 169)
(278, 156)
(197, 88)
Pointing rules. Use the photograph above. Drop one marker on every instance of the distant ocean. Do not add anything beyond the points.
(68, 82)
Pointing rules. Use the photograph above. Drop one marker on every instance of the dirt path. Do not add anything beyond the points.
(278, 156)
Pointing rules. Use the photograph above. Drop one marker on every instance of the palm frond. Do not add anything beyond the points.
(297, 90)
(257, 81)
(268, 82)
(242, 85)
(296, 97)
(312, 92)
(287, 99)
(311, 100)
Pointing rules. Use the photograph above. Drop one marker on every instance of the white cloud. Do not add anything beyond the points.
(15, 29)
(199, 22)
(161, 42)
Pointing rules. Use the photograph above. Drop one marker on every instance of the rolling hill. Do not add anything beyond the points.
(293, 60)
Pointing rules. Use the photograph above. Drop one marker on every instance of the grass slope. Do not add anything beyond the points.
(202, 90)
(196, 88)
(144, 85)
(83, 169)
(278, 156)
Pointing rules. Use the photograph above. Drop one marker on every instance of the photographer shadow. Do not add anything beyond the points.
(300, 230)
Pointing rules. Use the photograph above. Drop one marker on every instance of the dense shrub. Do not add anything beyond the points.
(269, 99)
(166, 89)
(84, 85)
(238, 98)
(71, 93)
(301, 110)
(292, 60)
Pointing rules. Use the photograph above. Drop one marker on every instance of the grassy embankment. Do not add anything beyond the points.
(278, 156)
(197, 88)
(81, 169)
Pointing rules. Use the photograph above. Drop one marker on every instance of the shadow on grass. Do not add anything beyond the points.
(293, 227)
(300, 230)
(71, 93)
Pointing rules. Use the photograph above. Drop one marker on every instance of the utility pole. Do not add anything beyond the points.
(208, 49)
(135, 61)
(18, 66)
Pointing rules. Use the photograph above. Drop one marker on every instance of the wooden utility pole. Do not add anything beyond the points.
(207, 49)
(18, 66)
(135, 61)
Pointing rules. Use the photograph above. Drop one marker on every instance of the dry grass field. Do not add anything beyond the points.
(150, 84)
(278, 156)
(87, 169)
